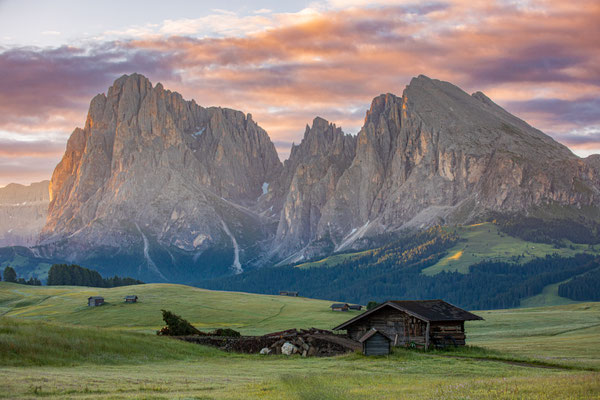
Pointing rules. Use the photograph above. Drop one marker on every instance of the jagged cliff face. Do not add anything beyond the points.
(307, 182)
(160, 188)
(159, 178)
(23, 211)
(439, 155)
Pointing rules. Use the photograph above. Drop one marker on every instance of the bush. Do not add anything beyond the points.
(177, 326)
(225, 332)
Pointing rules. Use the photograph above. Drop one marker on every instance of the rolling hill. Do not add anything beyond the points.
(529, 331)
(206, 309)
(52, 346)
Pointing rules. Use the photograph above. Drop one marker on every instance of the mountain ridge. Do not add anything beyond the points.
(170, 190)
(23, 210)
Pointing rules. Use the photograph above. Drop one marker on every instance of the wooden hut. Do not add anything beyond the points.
(288, 293)
(95, 301)
(413, 323)
(355, 307)
(131, 299)
(339, 307)
(375, 343)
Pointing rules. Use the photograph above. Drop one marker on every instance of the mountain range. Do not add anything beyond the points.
(163, 189)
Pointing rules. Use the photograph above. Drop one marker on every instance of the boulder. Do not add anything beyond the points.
(288, 349)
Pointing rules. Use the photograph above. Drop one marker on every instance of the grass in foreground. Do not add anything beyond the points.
(25, 343)
(568, 334)
(163, 368)
(57, 361)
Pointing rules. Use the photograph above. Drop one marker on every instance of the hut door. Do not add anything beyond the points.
(399, 338)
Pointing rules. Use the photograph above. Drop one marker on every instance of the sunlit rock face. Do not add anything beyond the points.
(23, 211)
(440, 155)
(152, 173)
(160, 188)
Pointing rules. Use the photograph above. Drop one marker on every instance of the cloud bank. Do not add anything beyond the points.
(538, 59)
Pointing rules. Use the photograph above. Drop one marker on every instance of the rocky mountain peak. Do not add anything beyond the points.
(380, 105)
(152, 168)
(154, 177)
(320, 138)
(23, 211)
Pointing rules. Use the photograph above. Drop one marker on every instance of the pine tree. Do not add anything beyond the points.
(9, 274)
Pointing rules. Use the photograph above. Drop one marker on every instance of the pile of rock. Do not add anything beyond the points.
(305, 342)
(309, 343)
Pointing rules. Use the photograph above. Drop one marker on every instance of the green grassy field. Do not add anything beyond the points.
(248, 313)
(485, 242)
(52, 346)
(330, 261)
(479, 242)
(548, 297)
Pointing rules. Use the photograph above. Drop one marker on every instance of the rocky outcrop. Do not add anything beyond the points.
(159, 179)
(23, 211)
(160, 188)
(439, 155)
(307, 182)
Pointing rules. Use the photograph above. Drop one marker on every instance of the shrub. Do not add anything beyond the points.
(177, 326)
(225, 332)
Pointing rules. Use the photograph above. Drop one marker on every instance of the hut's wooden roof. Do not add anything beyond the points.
(372, 332)
(426, 310)
(436, 310)
(339, 305)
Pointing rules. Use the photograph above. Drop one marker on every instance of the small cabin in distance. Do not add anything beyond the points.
(413, 323)
(288, 293)
(95, 301)
(355, 307)
(339, 307)
(131, 299)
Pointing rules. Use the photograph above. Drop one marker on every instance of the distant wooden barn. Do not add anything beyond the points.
(339, 307)
(355, 307)
(288, 293)
(418, 322)
(375, 343)
(131, 299)
(95, 301)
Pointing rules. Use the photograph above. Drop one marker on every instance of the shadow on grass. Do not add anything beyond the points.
(317, 388)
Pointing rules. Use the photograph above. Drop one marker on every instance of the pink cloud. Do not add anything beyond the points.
(537, 61)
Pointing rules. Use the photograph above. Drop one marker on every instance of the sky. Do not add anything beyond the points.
(288, 62)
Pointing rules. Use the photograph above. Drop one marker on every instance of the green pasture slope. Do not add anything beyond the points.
(52, 346)
(484, 242)
(248, 313)
(479, 242)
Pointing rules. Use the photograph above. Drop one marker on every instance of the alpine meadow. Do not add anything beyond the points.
(300, 200)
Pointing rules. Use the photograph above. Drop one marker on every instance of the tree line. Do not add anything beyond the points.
(395, 272)
(554, 231)
(75, 275)
(10, 275)
(585, 287)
